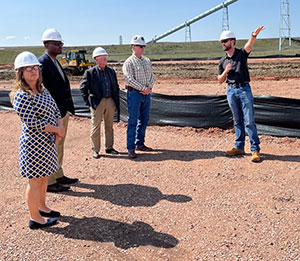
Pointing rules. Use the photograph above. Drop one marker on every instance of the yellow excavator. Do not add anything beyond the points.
(75, 63)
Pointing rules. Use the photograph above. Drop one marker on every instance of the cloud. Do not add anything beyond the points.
(26, 37)
(10, 37)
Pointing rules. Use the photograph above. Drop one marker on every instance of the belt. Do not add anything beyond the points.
(128, 88)
(238, 85)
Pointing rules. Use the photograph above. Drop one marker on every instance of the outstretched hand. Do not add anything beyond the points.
(257, 30)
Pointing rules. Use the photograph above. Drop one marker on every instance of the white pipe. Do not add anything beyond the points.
(193, 20)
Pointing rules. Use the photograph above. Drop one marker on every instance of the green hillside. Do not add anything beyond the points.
(164, 50)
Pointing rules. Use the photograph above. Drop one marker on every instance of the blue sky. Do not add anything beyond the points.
(96, 22)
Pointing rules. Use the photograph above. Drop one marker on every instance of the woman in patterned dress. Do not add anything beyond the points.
(41, 130)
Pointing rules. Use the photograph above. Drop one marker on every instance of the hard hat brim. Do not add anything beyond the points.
(26, 65)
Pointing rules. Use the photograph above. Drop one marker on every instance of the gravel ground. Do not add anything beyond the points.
(184, 201)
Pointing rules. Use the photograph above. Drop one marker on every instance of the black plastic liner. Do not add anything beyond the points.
(273, 115)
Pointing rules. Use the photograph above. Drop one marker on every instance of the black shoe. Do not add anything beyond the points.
(52, 213)
(36, 225)
(66, 180)
(111, 151)
(144, 148)
(56, 187)
(96, 155)
(132, 154)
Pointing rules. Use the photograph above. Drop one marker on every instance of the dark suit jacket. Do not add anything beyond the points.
(91, 89)
(58, 88)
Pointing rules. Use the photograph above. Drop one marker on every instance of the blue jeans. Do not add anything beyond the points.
(138, 111)
(240, 101)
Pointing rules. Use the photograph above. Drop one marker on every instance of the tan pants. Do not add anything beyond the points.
(60, 151)
(105, 110)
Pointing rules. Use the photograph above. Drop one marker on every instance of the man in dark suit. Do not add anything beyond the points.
(100, 90)
(57, 83)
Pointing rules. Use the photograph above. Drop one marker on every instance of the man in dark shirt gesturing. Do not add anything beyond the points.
(234, 69)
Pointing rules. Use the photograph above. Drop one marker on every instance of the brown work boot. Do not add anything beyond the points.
(255, 156)
(235, 152)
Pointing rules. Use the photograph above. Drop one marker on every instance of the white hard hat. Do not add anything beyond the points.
(25, 59)
(51, 35)
(99, 51)
(138, 40)
(227, 35)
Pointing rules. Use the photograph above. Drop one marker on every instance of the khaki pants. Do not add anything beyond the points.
(105, 109)
(60, 151)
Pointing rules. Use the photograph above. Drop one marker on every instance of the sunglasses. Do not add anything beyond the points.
(141, 46)
(30, 68)
(225, 41)
(56, 43)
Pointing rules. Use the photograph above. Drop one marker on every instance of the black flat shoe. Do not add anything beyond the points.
(51, 214)
(36, 225)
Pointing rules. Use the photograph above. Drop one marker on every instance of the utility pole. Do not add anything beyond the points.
(285, 24)
(188, 33)
(225, 19)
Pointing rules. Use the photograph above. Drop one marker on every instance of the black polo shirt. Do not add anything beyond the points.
(239, 72)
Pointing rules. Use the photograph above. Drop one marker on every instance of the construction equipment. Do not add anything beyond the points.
(75, 63)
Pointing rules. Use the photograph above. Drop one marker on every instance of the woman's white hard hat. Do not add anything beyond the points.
(99, 51)
(51, 35)
(138, 40)
(227, 35)
(25, 59)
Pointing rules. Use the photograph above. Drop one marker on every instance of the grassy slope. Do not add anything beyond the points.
(163, 50)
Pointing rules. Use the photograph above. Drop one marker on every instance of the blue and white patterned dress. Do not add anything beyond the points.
(37, 153)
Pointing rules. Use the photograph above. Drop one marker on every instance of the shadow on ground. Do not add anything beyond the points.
(180, 155)
(123, 235)
(290, 158)
(190, 155)
(127, 195)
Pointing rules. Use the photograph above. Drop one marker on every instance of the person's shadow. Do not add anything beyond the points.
(163, 154)
(127, 195)
(290, 158)
(190, 155)
(123, 235)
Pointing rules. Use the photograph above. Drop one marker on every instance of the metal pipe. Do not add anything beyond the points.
(193, 20)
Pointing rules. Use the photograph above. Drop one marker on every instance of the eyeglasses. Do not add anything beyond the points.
(30, 68)
(225, 41)
(56, 43)
(141, 46)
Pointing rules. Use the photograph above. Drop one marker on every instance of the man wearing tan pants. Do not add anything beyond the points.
(100, 90)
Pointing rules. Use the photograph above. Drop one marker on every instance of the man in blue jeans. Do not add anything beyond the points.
(234, 69)
(139, 79)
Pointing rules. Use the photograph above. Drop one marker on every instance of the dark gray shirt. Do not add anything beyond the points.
(239, 72)
(105, 83)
